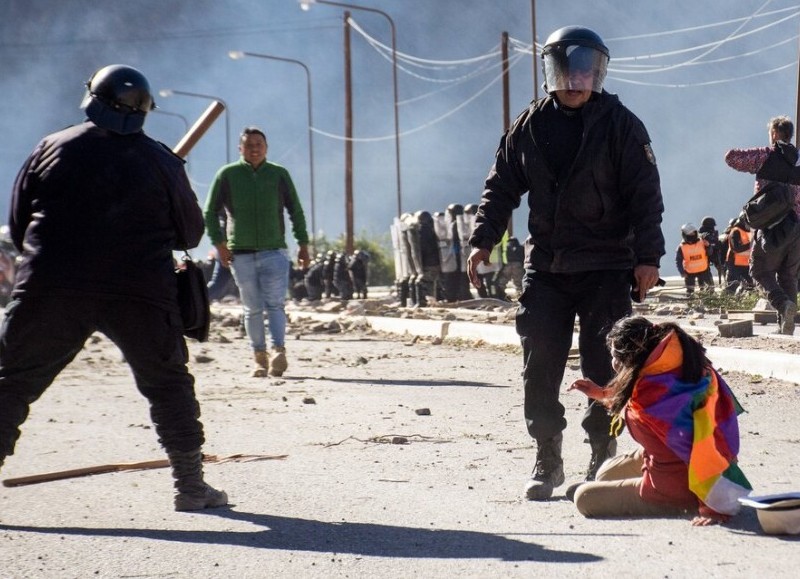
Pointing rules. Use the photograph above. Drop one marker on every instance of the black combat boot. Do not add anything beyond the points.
(549, 470)
(602, 450)
(422, 295)
(193, 494)
(402, 293)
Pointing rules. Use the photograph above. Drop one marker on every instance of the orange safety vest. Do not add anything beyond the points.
(740, 257)
(695, 257)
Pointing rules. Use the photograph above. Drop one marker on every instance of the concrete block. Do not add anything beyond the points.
(765, 317)
(740, 329)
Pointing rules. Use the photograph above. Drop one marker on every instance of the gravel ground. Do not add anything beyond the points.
(385, 456)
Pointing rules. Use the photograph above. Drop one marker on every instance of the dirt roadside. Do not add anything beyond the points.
(404, 457)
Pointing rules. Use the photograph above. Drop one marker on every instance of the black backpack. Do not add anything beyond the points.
(775, 200)
(769, 206)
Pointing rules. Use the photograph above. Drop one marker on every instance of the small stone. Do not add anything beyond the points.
(423, 411)
(309, 400)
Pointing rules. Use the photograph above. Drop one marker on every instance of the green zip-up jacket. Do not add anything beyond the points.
(252, 203)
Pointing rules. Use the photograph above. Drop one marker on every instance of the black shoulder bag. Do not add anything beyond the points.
(193, 299)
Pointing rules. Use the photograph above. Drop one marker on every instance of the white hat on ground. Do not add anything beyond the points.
(778, 514)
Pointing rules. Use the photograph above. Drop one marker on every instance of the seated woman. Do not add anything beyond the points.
(682, 413)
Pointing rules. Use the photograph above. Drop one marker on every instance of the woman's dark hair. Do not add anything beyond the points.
(631, 342)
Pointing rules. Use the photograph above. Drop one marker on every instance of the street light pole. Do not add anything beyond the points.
(237, 55)
(168, 92)
(533, 51)
(306, 5)
(181, 117)
(178, 116)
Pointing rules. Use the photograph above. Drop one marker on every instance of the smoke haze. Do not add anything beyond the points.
(707, 95)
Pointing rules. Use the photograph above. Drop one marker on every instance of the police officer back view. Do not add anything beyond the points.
(594, 224)
(129, 199)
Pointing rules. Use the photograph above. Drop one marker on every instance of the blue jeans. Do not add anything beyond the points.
(263, 281)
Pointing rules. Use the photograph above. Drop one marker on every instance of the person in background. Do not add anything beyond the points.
(221, 284)
(513, 256)
(329, 266)
(693, 260)
(738, 258)
(709, 234)
(594, 236)
(684, 416)
(775, 269)
(430, 259)
(254, 194)
(96, 212)
(358, 266)
(341, 278)
(313, 279)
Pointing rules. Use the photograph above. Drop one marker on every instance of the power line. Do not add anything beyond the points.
(701, 27)
(513, 61)
(705, 83)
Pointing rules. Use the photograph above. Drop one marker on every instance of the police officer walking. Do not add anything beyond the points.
(594, 232)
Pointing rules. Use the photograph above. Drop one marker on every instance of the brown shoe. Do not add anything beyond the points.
(278, 363)
(261, 366)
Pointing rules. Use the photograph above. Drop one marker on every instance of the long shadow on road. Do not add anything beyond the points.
(367, 539)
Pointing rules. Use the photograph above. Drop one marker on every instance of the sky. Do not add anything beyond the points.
(704, 77)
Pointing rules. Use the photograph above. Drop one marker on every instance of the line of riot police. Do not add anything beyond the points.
(334, 274)
(430, 258)
(8, 260)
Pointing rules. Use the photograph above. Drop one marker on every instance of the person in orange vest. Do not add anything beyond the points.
(692, 259)
(738, 259)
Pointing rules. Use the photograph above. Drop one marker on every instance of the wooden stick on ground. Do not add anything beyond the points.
(128, 466)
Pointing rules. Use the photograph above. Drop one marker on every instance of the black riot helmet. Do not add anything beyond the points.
(425, 218)
(574, 58)
(689, 233)
(118, 98)
(455, 209)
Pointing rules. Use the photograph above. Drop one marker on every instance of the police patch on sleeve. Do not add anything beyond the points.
(648, 152)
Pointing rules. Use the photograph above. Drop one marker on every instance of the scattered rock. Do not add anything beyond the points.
(423, 411)
(740, 329)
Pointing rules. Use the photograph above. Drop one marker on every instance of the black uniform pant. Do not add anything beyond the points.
(775, 268)
(41, 335)
(545, 321)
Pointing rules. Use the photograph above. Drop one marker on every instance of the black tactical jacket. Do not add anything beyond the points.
(606, 212)
(95, 213)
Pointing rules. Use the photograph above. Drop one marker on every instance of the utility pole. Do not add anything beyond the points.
(533, 50)
(797, 104)
(506, 104)
(348, 143)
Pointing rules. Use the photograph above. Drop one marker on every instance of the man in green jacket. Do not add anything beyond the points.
(252, 196)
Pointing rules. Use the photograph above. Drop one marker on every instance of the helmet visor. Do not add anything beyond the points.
(574, 67)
